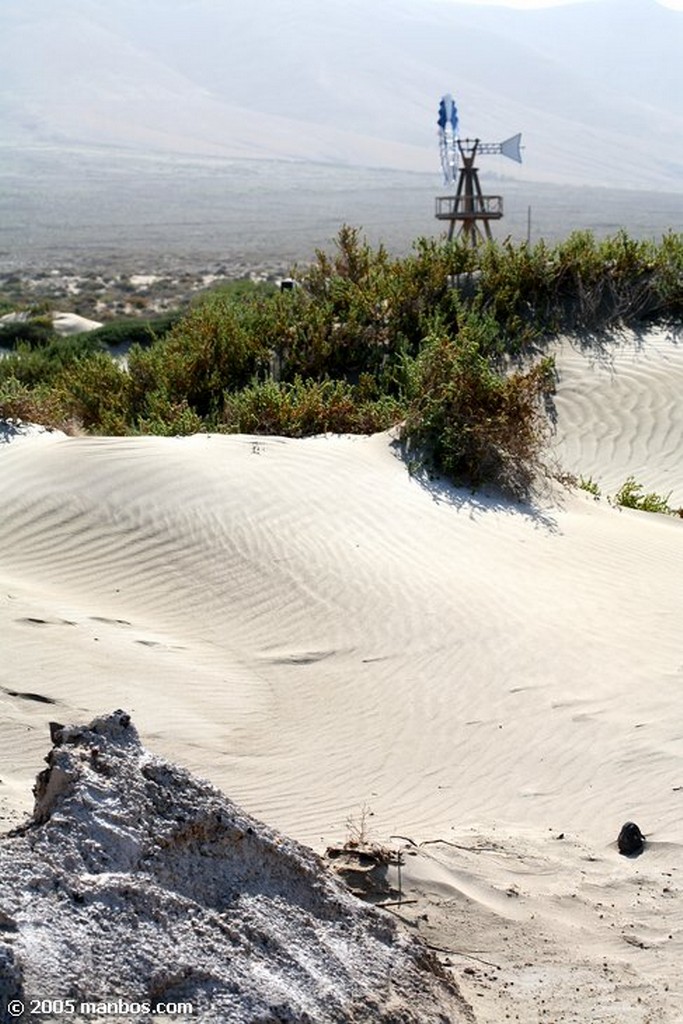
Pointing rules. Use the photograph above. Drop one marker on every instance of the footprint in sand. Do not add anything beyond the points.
(297, 657)
(39, 697)
(158, 643)
(110, 622)
(31, 621)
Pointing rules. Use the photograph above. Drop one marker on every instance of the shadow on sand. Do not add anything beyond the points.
(476, 503)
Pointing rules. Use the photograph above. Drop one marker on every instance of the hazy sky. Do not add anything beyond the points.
(676, 5)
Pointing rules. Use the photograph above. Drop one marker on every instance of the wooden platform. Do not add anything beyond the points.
(466, 207)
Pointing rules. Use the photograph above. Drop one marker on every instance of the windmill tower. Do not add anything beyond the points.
(469, 208)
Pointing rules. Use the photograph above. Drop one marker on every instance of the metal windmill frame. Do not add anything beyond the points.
(469, 210)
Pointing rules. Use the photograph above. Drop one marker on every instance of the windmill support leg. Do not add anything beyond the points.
(469, 207)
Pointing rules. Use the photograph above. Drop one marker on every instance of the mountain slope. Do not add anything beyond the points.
(594, 87)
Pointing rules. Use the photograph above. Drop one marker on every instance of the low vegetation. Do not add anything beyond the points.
(447, 342)
(632, 495)
(589, 485)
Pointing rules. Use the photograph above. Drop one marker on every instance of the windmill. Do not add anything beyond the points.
(469, 206)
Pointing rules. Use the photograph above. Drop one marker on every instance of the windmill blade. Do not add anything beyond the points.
(449, 157)
(443, 153)
(448, 126)
(446, 111)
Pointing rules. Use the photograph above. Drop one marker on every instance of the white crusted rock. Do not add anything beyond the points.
(135, 880)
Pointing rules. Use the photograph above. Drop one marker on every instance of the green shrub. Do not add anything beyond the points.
(440, 338)
(616, 279)
(668, 275)
(342, 321)
(42, 364)
(72, 386)
(239, 288)
(168, 419)
(588, 484)
(303, 408)
(95, 392)
(41, 404)
(516, 287)
(212, 350)
(135, 331)
(631, 495)
(32, 333)
(582, 283)
(471, 421)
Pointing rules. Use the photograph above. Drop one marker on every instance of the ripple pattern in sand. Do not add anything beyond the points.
(619, 413)
(340, 635)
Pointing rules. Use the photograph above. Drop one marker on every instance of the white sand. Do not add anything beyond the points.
(314, 631)
(72, 323)
(62, 323)
(620, 412)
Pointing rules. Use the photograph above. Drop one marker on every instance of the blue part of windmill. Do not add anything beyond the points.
(448, 138)
(451, 146)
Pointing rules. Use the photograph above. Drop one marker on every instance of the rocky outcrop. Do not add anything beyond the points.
(135, 881)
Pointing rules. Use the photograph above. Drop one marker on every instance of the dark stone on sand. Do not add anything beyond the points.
(630, 840)
(55, 732)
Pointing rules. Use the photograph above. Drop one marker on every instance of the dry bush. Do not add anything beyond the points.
(472, 422)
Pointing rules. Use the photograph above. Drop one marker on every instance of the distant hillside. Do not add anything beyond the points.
(594, 87)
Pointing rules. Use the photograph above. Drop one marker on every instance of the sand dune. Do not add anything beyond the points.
(340, 633)
(619, 411)
(62, 323)
(317, 632)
